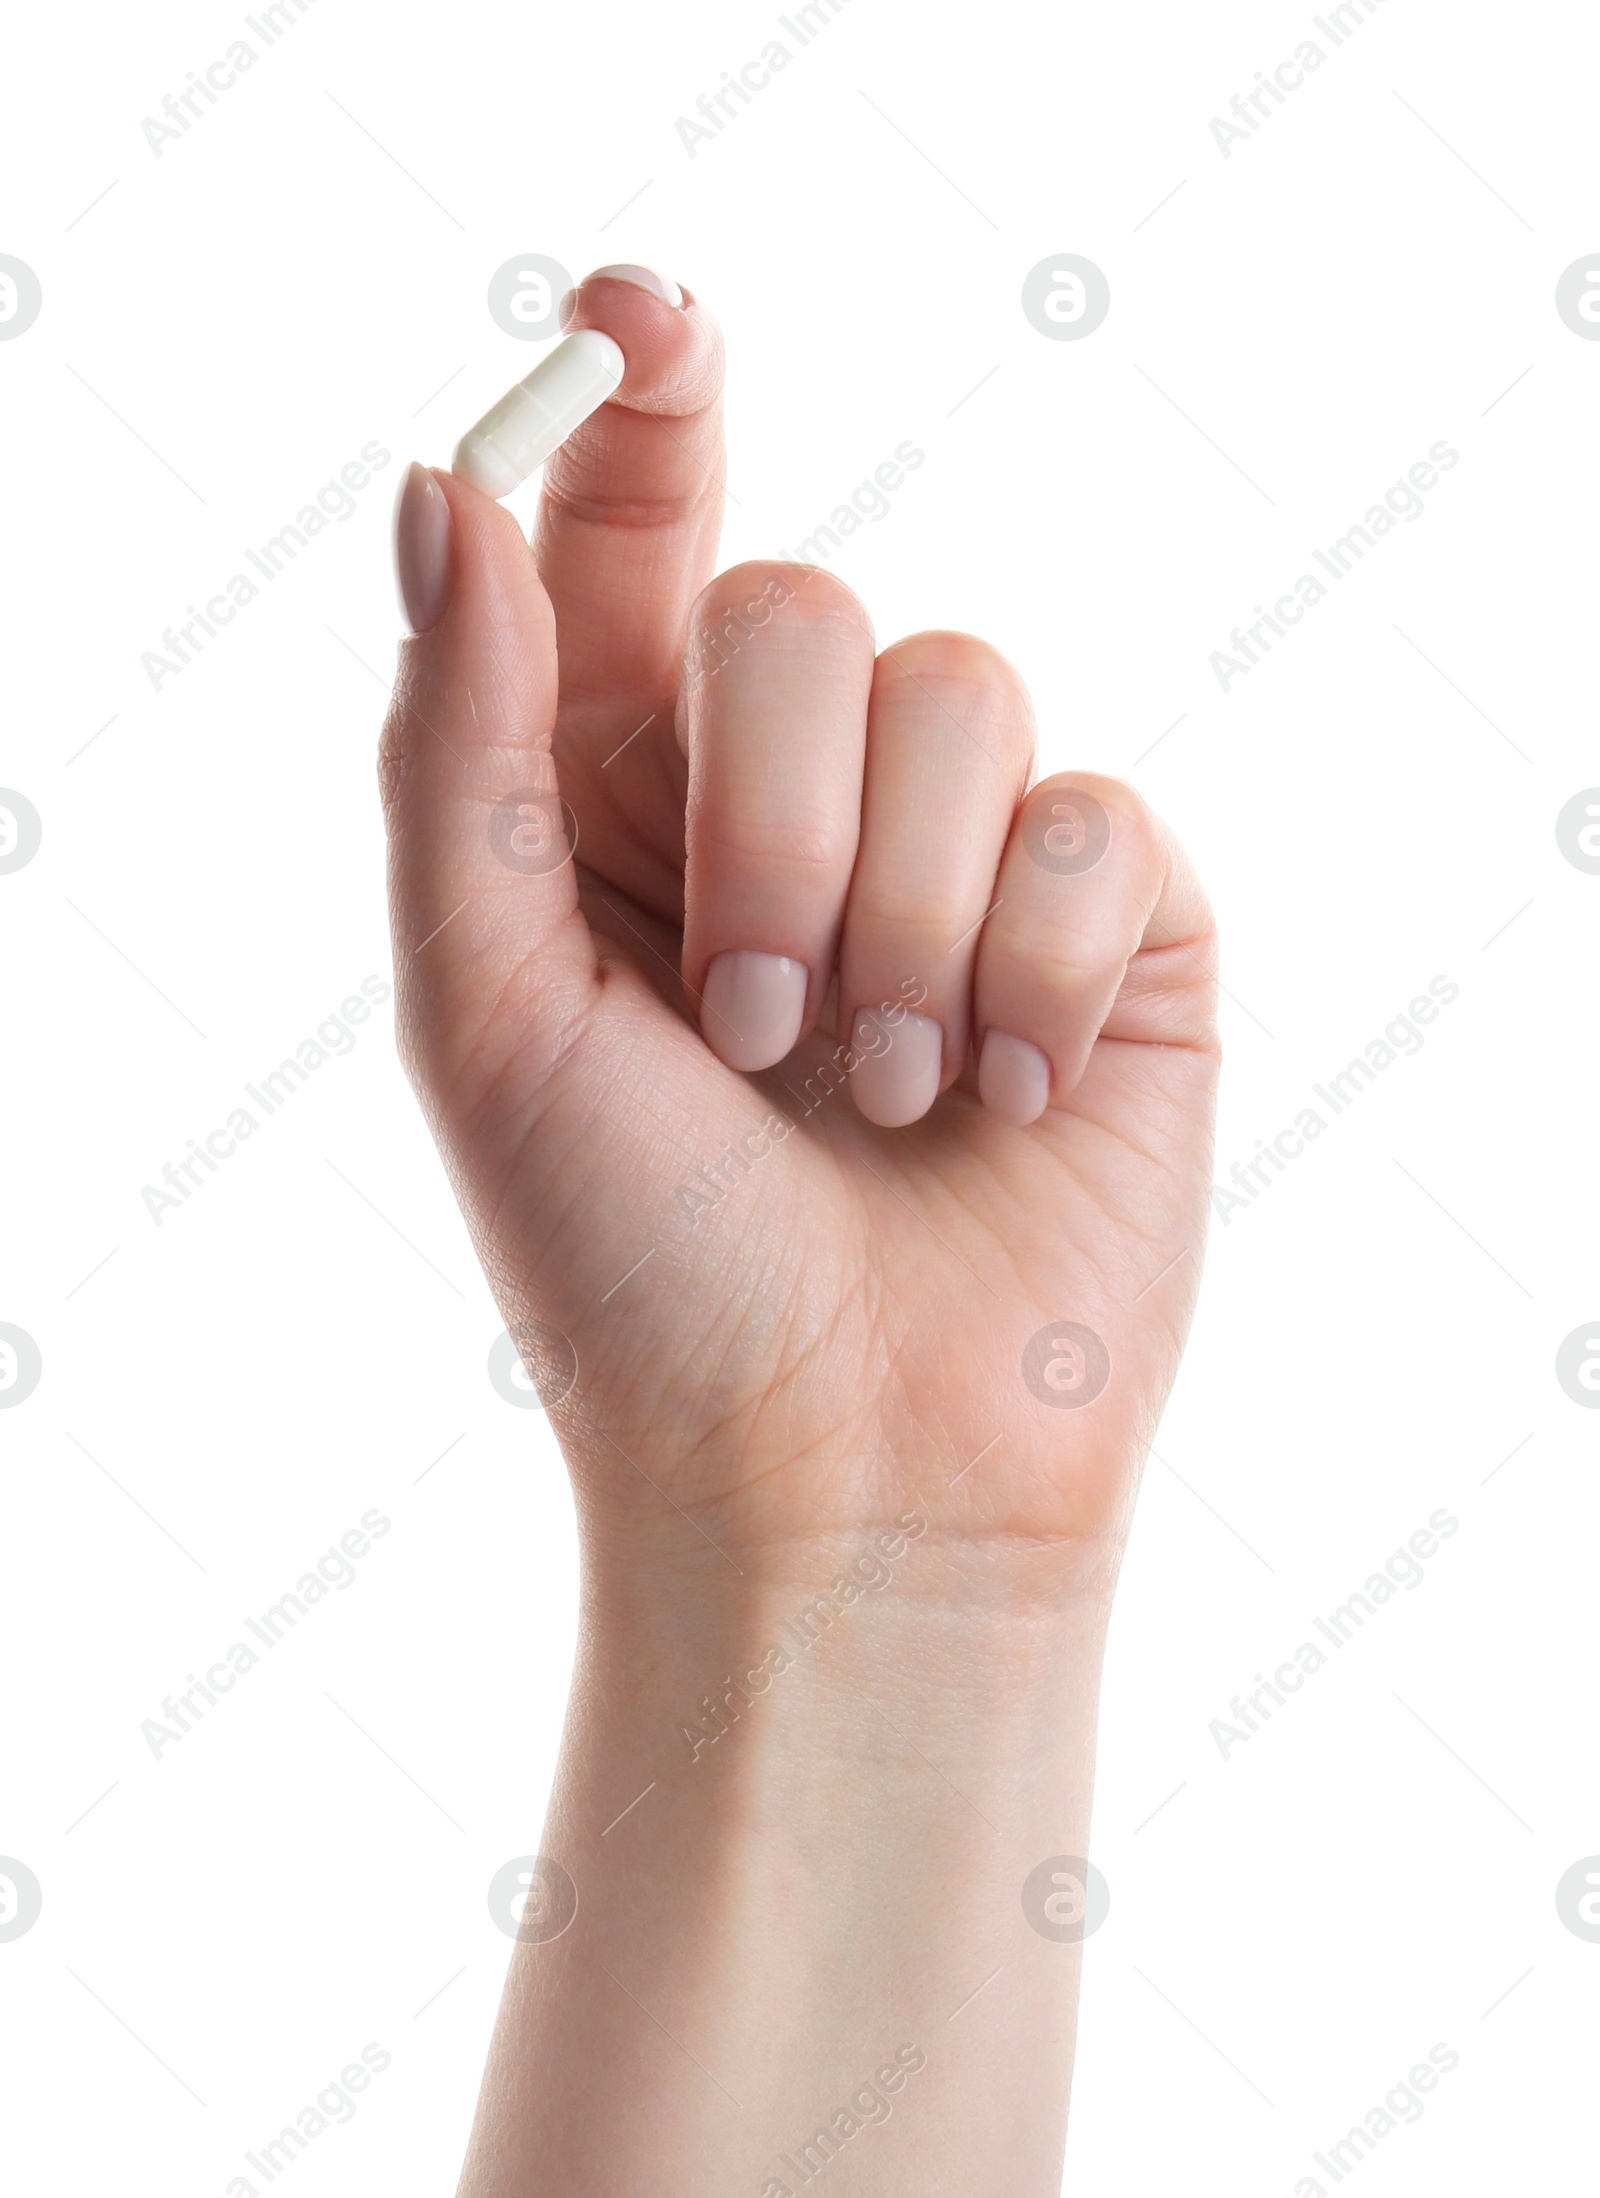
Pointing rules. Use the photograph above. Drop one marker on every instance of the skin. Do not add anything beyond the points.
(779, 1364)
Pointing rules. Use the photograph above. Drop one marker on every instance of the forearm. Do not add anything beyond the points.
(800, 1933)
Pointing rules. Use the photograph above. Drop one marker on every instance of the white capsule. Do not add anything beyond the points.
(519, 433)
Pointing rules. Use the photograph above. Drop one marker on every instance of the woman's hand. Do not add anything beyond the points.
(805, 856)
(868, 1345)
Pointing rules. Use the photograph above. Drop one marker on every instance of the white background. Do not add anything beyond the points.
(1373, 806)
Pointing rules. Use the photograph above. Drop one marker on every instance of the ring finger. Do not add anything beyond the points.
(949, 748)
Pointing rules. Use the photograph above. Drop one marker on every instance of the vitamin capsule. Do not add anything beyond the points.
(519, 433)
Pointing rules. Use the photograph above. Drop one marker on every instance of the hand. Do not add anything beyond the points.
(792, 1320)
(705, 1095)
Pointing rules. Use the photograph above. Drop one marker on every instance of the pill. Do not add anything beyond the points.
(517, 435)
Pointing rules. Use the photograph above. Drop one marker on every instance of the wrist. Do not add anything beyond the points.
(991, 1644)
(749, 1531)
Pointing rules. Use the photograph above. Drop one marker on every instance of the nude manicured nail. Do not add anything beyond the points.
(898, 1077)
(642, 278)
(1013, 1078)
(422, 548)
(752, 1008)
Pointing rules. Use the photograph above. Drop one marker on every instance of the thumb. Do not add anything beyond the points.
(492, 957)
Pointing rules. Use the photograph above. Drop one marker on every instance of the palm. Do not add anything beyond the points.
(860, 1298)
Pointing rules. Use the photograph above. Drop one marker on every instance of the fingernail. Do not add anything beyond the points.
(897, 1079)
(1013, 1078)
(422, 548)
(642, 278)
(752, 1007)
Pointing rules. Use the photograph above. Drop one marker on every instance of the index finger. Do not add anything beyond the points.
(632, 504)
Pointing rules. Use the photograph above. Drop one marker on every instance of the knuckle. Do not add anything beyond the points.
(905, 910)
(747, 597)
(1070, 966)
(942, 653)
(939, 680)
(391, 766)
(805, 845)
(1124, 803)
(1093, 829)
